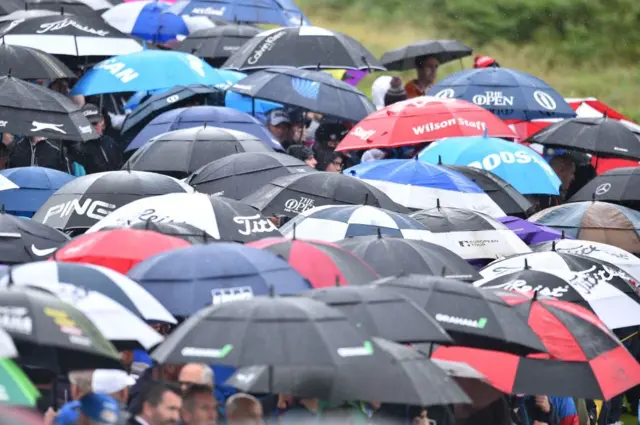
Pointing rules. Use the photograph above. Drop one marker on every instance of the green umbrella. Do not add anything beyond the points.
(15, 386)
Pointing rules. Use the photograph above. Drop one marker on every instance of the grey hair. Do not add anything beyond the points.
(82, 379)
(232, 404)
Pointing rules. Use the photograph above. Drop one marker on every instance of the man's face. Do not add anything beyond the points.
(99, 127)
(311, 161)
(251, 416)
(167, 412)
(204, 411)
(430, 69)
(335, 166)
(280, 131)
(296, 131)
(61, 86)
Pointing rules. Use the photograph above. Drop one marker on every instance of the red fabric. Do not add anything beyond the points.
(526, 129)
(483, 61)
(570, 420)
(616, 371)
(605, 164)
(119, 249)
(423, 119)
(598, 106)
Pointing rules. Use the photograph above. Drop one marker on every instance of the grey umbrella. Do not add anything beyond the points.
(405, 57)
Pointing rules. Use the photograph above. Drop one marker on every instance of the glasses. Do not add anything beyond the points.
(338, 164)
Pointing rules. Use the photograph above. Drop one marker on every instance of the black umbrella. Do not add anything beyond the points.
(31, 64)
(396, 256)
(30, 110)
(601, 136)
(618, 186)
(215, 45)
(509, 200)
(411, 378)
(24, 14)
(176, 97)
(383, 313)
(302, 47)
(472, 316)
(238, 175)
(24, 241)
(86, 200)
(74, 7)
(185, 231)
(405, 57)
(52, 334)
(181, 152)
(294, 194)
(10, 6)
(310, 90)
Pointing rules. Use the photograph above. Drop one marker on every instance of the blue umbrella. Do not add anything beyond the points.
(519, 165)
(276, 12)
(137, 98)
(146, 20)
(508, 93)
(257, 107)
(197, 116)
(148, 70)
(186, 280)
(37, 184)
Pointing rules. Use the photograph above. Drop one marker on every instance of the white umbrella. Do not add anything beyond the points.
(98, 4)
(6, 184)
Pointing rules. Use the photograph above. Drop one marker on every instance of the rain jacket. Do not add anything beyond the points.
(413, 90)
(46, 153)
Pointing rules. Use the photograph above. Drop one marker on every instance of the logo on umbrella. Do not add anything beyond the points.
(211, 11)
(492, 98)
(253, 224)
(15, 319)
(266, 46)
(544, 100)
(214, 353)
(445, 94)
(39, 126)
(603, 188)
(462, 321)
(58, 25)
(173, 99)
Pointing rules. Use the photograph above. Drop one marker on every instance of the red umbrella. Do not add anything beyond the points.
(525, 129)
(588, 360)
(118, 249)
(324, 264)
(423, 119)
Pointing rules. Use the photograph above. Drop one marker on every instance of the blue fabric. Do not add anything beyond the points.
(276, 12)
(78, 170)
(563, 406)
(141, 356)
(100, 408)
(68, 414)
(156, 24)
(517, 164)
(259, 108)
(37, 184)
(135, 100)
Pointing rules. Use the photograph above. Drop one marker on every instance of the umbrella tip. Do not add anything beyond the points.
(3, 210)
(562, 235)
(10, 283)
(439, 159)
(272, 291)
(443, 273)
(605, 114)
(553, 246)
(337, 281)
(379, 233)
(293, 235)
(526, 264)
(535, 296)
(486, 133)
(319, 65)
(204, 125)
(61, 10)
(366, 199)
(438, 203)
(593, 197)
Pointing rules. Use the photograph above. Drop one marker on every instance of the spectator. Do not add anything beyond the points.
(279, 124)
(396, 92)
(303, 153)
(379, 89)
(199, 406)
(161, 404)
(80, 381)
(302, 411)
(28, 151)
(243, 409)
(196, 374)
(485, 62)
(114, 383)
(564, 166)
(427, 70)
(337, 163)
(328, 136)
(98, 409)
(373, 155)
(99, 155)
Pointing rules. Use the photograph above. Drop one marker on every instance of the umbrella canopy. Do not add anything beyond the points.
(508, 93)
(404, 58)
(32, 110)
(11, 6)
(184, 231)
(184, 284)
(74, 7)
(215, 45)
(24, 240)
(297, 193)
(30, 64)
(470, 234)
(310, 90)
(181, 152)
(15, 388)
(618, 186)
(20, 13)
(6, 184)
(418, 185)
(302, 47)
(422, 119)
(238, 175)
(517, 164)
(274, 12)
(473, 317)
(332, 223)
(595, 221)
(531, 233)
(7, 347)
(221, 218)
(197, 116)
(84, 201)
(391, 256)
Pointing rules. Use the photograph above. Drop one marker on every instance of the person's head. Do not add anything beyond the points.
(373, 155)
(565, 168)
(93, 114)
(113, 382)
(336, 165)
(243, 409)
(98, 409)
(396, 92)
(485, 62)
(195, 374)
(303, 153)
(79, 100)
(61, 85)
(199, 406)
(81, 383)
(279, 124)
(161, 404)
(427, 68)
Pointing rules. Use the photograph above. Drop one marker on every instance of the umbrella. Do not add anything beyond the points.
(595, 221)
(303, 47)
(86, 200)
(383, 313)
(20, 13)
(411, 379)
(297, 193)
(238, 175)
(258, 108)
(391, 256)
(31, 110)
(310, 90)
(52, 334)
(100, 5)
(24, 240)
(322, 263)
(111, 284)
(422, 119)
(531, 233)
(417, 185)
(332, 223)
(617, 186)
(184, 231)
(470, 234)
(35, 186)
(184, 283)
(74, 7)
(517, 164)
(602, 136)
(15, 387)
(139, 72)
(508, 93)
(181, 152)
(86, 35)
(471, 381)
(274, 12)
(7, 347)
(196, 116)
(504, 194)
(118, 249)
(11, 6)
(404, 58)
(221, 218)
(30, 64)
(473, 317)
(7, 184)
(215, 45)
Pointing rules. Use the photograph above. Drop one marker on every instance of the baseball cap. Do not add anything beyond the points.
(110, 381)
(100, 408)
(68, 414)
(92, 113)
(278, 116)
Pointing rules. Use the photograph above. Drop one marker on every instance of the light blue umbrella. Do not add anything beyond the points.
(519, 165)
(257, 107)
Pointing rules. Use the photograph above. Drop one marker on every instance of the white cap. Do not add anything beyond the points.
(110, 381)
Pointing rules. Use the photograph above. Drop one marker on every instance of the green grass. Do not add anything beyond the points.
(615, 84)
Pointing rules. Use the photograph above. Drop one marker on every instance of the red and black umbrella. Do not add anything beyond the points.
(587, 360)
(118, 249)
(324, 264)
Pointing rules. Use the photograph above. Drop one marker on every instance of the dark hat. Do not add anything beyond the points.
(396, 93)
(92, 113)
(300, 151)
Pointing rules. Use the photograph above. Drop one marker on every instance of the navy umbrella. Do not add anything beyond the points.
(188, 279)
(508, 93)
(311, 90)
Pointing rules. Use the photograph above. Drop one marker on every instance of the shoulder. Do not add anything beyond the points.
(563, 406)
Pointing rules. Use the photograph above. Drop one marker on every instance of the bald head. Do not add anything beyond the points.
(196, 373)
(565, 168)
(243, 409)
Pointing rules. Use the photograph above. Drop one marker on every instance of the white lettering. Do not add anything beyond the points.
(264, 47)
(173, 99)
(520, 285)
(363, 134)
(96, 210)
(253, 224)
(226, 295)
(3, 123)
(461, 321)
(299, 205)
(492, 98)
(435, 126)
(545, 100)
(118, 70)
(16, 319)
(58, 25)
(208, 11)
